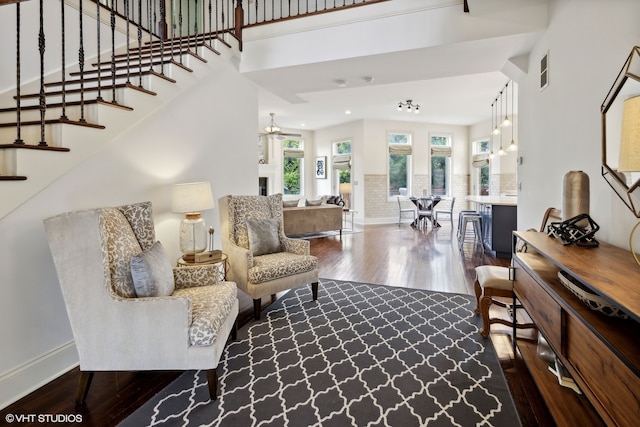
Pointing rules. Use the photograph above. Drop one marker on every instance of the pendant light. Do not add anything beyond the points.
(506, 122)
(501, 151)
(491, 155)
(512, 146)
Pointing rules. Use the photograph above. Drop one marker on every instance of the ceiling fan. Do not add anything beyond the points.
(274, 129)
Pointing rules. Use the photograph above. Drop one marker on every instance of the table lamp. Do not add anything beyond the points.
(345, 189)
(190, 199)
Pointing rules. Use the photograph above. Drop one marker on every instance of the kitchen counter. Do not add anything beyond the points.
(499, 220)
(494, 200)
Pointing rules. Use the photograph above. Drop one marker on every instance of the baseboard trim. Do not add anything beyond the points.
(28, 377)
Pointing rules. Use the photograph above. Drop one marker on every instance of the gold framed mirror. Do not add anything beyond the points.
(620, 114)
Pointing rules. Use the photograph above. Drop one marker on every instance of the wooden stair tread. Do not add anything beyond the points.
(168, 51)
(145, 57)
(135, 66)
(89, 89)
(12, 178)
(51, 122)
(109, 77)
(34, 147)
(68, 104)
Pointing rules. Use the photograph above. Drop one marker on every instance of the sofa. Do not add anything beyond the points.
(312, 219)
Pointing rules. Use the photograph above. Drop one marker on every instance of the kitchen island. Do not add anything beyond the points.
(499, 220)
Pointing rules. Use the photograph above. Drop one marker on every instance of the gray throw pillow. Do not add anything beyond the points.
(313, 202)
(152, 272)
(263, 236)
(290, 203)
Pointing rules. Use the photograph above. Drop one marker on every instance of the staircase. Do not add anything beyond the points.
(63, 118)
(53, 123)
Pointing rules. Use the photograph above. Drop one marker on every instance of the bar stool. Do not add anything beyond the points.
(460, 215)
(493, 281)
(476, 220)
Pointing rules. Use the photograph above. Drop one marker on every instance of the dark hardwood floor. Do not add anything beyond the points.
(381, 254)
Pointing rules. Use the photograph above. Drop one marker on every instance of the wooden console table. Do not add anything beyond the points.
(602, 353)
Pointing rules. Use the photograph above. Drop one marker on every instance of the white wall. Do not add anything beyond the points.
(588, 41)
(197, 137)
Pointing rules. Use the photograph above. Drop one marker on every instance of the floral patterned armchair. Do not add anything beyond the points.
(152, 317)
(262, 259)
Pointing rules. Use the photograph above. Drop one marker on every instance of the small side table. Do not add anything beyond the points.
(221, 262)
(345, 212)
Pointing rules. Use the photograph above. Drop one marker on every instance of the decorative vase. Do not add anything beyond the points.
(575, 194)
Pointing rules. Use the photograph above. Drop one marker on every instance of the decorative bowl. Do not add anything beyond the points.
(593, 301)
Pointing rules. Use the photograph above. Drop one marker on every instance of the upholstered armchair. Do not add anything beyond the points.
(262, 259)
(129, 308)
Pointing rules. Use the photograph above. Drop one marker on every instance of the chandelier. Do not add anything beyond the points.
(409, 106)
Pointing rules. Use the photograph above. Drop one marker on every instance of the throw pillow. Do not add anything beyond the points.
(313, 202)
(152, 272)
(290, 203)
(263, 236)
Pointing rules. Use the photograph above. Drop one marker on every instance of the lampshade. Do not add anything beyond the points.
(630, 139)
(191, 197)
(345, 188)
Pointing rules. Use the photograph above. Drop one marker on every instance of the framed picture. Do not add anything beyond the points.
(321, 167)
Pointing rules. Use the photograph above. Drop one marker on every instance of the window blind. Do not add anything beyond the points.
(480, 160)
(342, 161)
(293, 152)
(400, 149)
(441, 150)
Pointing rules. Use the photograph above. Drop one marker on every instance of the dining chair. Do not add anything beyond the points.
(446, 212)
(405, 210)
(425, 211)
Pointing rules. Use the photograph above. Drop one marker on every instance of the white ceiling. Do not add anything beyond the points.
(454, 83)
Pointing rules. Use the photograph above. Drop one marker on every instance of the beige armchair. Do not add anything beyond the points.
(182, 322)
(262, 259)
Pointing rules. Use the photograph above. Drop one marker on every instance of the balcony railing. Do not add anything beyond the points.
(191, 17)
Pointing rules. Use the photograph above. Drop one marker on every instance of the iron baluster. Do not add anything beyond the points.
(210, 27)
(63, 116)
(81, 61)
(98, 27)
(42, 98)
(149, 28)
(188, 25)
(173, 26)
(113, 52)
(163, 22)
(128, 18)
(140, 43)
(18, 122)
(222, 15)
(180, 27)
(195, 30)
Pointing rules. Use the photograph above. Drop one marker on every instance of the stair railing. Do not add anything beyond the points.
(207, 21)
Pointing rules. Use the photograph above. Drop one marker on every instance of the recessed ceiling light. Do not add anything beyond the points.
(347, 112)
(368, 79)
(341, 83)
(302, 124)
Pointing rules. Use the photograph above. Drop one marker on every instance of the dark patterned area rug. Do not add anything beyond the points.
(362, 355)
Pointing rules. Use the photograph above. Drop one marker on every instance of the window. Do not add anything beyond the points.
(440, 165)
(292, 167)
(342, 170)
(399, 163)
(480, 163)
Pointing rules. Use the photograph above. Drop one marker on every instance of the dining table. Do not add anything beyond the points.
(425, 204)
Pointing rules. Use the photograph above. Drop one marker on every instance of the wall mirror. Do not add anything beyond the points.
(621, 134)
